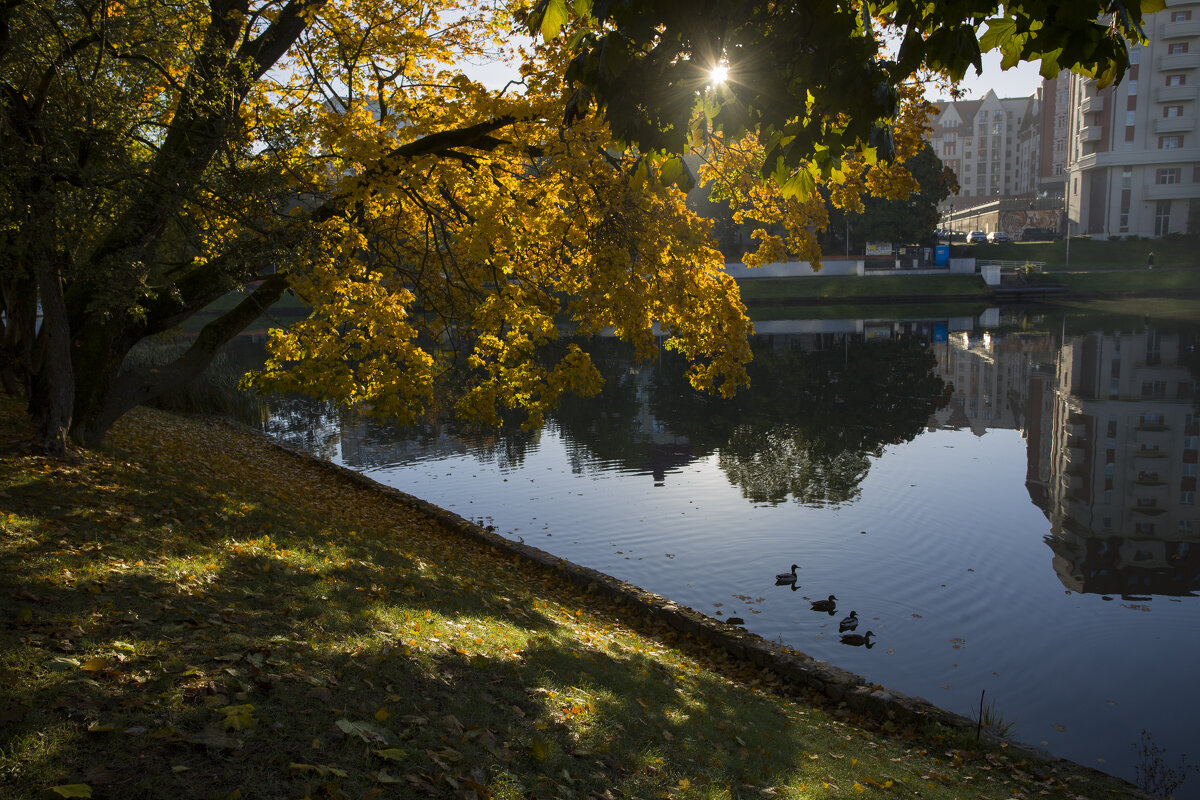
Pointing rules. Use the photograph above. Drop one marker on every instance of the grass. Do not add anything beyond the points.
(1140, 281)
(1089, 254)
(192, 613)
(764, 290)
(1095, 268)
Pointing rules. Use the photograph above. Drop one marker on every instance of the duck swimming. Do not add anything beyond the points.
(787, 577)
(848, 623)
(825, 605)
(857, 639)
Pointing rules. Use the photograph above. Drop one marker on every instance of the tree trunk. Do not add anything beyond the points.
(106, 394)
(52, 386)
(20, 329)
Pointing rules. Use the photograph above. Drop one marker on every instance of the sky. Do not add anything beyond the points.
(1020, 81)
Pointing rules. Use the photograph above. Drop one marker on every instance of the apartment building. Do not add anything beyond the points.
(1133, 160)
(978, 139)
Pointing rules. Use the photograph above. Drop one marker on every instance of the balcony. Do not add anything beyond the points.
(1170, 191)
(1091, 105)
(1179, 30)
(1174, 124)
(1091, 133)
(1178, 61)
(1174, 94)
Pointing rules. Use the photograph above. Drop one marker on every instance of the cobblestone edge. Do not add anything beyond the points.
(792, 666)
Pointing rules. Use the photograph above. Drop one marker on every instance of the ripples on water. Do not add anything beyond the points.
(1009, 508)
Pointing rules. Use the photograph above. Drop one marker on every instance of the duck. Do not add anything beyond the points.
(857, 639)
(787, 577)
(825, 605)
(848, 623)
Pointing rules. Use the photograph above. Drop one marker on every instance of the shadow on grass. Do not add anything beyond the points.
(191, 613)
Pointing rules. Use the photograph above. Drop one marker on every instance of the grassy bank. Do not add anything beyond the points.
(769, 298)
(765, 290)
(190, 613)
(1089, 254)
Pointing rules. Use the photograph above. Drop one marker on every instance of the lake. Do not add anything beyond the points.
(1006, 499)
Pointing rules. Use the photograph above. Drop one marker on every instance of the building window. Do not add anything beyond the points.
(1177, 47)
(1129, 117)
(1172, 111)
(1181, 16)
(949, 148)
(1132, 91)
(1162, 222)
(1187, 498)
(1176, 80)
(1167, 176)
(1170, 142)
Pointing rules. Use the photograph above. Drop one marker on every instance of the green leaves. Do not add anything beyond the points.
(548, 17)
(72, 790)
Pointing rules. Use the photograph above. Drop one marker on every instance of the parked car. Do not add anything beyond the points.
(976, 237)
(1038, 235)
(998, 236)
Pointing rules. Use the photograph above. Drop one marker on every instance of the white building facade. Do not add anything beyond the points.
(1133, 153)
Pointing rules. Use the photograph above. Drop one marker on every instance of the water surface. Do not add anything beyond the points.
(1007, 502)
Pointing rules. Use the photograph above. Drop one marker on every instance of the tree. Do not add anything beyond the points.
(157, 155)
(162, 154)
(908, 220)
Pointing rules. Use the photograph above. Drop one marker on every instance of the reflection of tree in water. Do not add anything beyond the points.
(806, 428)
(812, 420)
(771, 464)
(617, 426)
(321, 428)
(305, 424)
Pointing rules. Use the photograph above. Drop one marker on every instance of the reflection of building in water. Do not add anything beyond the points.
(992, 378)
(1122, 495)
(663, 451)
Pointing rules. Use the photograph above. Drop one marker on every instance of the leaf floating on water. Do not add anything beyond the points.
(1057, 727)
(72, 790)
